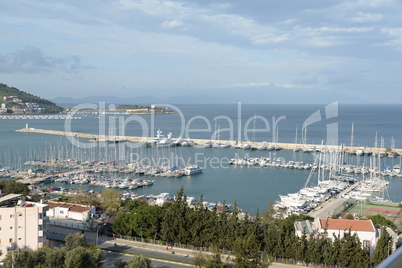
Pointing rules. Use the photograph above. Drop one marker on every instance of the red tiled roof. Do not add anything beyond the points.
(353, 225)
(71, 206)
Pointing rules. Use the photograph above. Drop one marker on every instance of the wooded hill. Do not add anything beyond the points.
(25, 97)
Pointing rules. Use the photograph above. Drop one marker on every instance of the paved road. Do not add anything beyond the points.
(152, 251)
(112, 257)
(329, 208)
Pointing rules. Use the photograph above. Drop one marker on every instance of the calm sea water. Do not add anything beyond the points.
(252, 187)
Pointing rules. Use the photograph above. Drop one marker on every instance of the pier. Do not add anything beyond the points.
(104, 138)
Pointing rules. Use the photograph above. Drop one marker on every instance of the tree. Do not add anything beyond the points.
(139, 261)
(351, 253)
(213, 260)
(81, 257)
(120, 264)
(383, 248)
(273, 240)
(19, 258)
(350, 217)
(75, 240)
(13, 187)
(55, 257)
(174, 224)
(78, 258)
(247, 251)
(314, 254)
(39, 256)
(111, 198)
(381, 220)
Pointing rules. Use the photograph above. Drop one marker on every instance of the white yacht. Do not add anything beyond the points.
(192, 169)
(166, 142)
(155, 140)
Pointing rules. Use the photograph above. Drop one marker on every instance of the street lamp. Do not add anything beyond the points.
(97, 233)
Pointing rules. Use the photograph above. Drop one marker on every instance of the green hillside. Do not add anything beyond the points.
(25, 97)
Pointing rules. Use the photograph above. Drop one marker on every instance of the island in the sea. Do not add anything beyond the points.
(138, 109)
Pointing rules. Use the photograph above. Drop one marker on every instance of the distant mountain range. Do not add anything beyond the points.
(143, 100)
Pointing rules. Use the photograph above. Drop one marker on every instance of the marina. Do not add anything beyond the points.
(264, 170)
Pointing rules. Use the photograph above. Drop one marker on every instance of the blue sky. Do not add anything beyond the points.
(225, 51)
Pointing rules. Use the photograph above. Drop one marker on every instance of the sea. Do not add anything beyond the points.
(253, 188)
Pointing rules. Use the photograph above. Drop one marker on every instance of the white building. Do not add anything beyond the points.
(364, 229)
(22, 226)
(64, 210)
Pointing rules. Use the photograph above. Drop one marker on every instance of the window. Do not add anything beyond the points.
(61, 212)
(20, 238)
(40, 227)
(11, 216)
(366, 245)
(10, 240)
(20, 215)
(11, 227)
(40, 239)
(40, 215)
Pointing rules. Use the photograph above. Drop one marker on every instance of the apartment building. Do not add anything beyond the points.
(22, 226)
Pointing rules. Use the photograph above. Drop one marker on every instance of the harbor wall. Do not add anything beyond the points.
(103, 138)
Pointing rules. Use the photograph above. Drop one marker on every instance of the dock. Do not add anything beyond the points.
(40, 179)
(102, 138)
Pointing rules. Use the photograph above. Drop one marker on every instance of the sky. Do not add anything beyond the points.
(254, 51)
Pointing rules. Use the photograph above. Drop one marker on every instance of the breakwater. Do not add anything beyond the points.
(103, 138)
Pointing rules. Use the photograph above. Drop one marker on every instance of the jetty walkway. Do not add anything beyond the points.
(333, 205)
(46, 177)
(102, 138)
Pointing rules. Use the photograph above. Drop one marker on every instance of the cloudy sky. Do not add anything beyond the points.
(256, 51)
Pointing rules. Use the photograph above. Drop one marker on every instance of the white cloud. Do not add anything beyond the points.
(367, 17)
(33, 60)
(159, 44)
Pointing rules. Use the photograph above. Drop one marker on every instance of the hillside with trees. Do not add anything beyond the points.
(21, 98)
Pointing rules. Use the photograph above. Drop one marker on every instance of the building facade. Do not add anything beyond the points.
(64, 210)
(23, 226)
(364, 229)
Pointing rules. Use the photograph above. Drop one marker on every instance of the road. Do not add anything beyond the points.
(112, 257)
(159, 255)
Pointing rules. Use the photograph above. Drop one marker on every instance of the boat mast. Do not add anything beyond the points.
(352, 135)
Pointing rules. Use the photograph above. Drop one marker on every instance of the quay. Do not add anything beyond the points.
(103, 138)
(333, 205)
(44, 178)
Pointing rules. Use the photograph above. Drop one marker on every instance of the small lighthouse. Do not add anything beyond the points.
(26, 126)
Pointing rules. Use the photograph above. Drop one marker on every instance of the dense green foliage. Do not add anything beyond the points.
(383, 248)
(27, 97)
(254, 242)
(131, 107)
(76, 254)
(382, 221)
(138, 262)
(13, 187)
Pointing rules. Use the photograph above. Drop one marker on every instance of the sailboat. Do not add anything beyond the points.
(297, 148)
(216, 144)
(375, 183)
